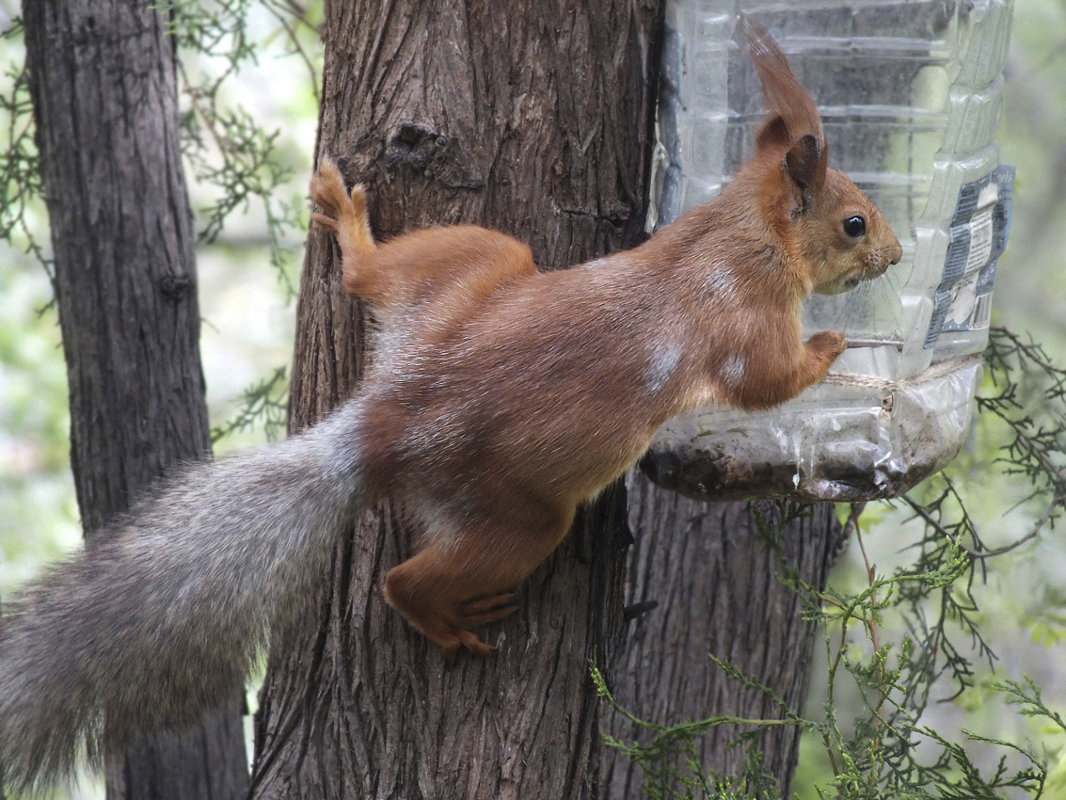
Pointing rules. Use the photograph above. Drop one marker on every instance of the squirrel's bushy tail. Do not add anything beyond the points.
(161, 618)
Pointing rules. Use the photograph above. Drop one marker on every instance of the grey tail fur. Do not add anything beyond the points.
(161, 617)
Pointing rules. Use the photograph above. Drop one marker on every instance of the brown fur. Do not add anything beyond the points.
(503, 396)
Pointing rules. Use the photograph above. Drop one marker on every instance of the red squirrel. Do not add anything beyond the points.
(502, 397)
(498, 398)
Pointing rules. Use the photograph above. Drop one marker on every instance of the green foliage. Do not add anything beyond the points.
(670, 761)
(20, 176)
(902, 635)
(262, 403)
(240, 164)
(1029, 401)
(227, 145)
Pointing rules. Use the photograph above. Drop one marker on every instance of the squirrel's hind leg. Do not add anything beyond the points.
(464, 263)
(455, 584)
(345, 215)
(342, 213)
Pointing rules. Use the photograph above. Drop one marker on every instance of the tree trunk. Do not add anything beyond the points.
(102, 79)
(535, 120)
(706, 582)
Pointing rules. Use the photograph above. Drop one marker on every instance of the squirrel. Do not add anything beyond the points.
(498, 398)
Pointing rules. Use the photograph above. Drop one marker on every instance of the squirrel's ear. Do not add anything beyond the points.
(805, 163)
(773, 135)
(793, 116)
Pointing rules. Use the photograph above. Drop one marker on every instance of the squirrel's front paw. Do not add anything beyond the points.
(832, 342)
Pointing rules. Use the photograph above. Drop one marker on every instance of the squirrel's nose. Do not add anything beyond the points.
(895, 253)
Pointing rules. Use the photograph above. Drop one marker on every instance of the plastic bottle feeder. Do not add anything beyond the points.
(910, 95)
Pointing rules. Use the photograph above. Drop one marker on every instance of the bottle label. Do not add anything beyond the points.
(977, 236)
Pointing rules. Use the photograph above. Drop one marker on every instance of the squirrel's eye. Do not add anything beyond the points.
(855, 226)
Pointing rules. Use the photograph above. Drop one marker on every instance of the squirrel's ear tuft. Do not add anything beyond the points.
(806, 162)
(793, 114)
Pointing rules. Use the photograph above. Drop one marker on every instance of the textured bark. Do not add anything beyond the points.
(706, 582)
(102, 78)
(534, 120)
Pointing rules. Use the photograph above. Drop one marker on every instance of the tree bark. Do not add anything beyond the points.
(534, 120)
(705, 581)
(102, 79)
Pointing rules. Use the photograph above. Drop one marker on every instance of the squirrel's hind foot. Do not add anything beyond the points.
(340, 209)
(449, 631)
(439, 615)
